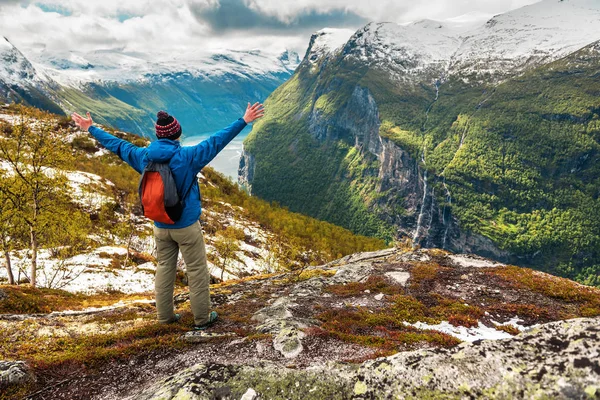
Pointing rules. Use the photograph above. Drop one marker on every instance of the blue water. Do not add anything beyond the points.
(227, 161)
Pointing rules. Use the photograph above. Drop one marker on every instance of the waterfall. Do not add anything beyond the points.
(428, 240)
(444, 215)
(425, 188)
(437, 95)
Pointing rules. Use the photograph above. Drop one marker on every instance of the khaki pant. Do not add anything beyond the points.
(191, 243)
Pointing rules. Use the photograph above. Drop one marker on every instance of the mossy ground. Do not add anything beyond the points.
(24, 299)
(349, 323)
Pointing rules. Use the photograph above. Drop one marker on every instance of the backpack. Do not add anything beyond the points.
(158, 194)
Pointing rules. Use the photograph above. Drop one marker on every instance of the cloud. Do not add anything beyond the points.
(240, 15)
(192, 26)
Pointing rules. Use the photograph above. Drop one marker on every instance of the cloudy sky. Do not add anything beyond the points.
(209, 25)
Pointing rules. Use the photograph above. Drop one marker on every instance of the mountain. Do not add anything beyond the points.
(205, 91)
(482, 141)
(19, 80)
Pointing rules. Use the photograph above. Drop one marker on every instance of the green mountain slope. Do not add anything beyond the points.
(508, 171)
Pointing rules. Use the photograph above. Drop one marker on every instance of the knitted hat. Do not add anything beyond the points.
(167, 126)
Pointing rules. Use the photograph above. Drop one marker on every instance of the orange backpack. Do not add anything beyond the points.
(158, 194)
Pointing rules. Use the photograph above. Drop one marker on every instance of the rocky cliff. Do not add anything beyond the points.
(402, 131)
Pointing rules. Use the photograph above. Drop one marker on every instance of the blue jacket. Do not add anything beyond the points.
(185, 162)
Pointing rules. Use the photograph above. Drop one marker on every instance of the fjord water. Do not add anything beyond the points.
(227, 161)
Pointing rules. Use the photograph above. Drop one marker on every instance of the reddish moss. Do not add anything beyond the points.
(385, 328)
(375, 284)
(589, 310)
(422, 272)
(241, 312)
(24, 299)
(548, 285)
(463, 320)
(451, 307)
(508, 329)
(530, 311)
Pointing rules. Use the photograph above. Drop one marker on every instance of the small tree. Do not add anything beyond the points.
(227, 245)
(36, 156)
(126, 228)
(70, 240)
(9, 229)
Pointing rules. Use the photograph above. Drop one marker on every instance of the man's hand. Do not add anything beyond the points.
(83, 123)
(254, 112)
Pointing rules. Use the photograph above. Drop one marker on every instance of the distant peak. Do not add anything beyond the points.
(326, 41)
(429, 24)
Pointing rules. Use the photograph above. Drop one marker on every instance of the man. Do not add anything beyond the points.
(185, 234)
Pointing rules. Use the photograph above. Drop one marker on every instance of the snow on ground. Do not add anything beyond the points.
(10, 118)
(481, 332)
(469, 260)
(87, 196)
(216, 272)
(84, 186)
(87, 273)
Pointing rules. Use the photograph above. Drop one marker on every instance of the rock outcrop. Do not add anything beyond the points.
(389, 324)
(14, 373)
(558, 360)
(329, 333)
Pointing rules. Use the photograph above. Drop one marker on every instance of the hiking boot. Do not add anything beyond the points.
(212, 318)
(175, 319)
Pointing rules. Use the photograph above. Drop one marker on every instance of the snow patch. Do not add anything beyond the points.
(399, 277)
(88, 273)
(465, 334)
(468, 260)
(325, 42)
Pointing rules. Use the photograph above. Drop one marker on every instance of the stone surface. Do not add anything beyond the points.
(289, 342)
(249, 395)
(310, 339)
(399, 277)
(14, 373)
(200, 336)
(277, 319)
(470, 260)
(558, 360)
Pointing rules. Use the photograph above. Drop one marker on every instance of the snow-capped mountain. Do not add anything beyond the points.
(19, 80)
(529, 36)
(405, 49)
(326, 42)
(205, 91)
(76, 69)
(506, 44)
(449, 136)
(15, 69)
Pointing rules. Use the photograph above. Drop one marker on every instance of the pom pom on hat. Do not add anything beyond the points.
(162, 115)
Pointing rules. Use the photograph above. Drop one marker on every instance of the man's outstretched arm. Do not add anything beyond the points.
(128, 152)
(205, 151)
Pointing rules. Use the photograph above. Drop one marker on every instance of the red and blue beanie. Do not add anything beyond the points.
(167, 126)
